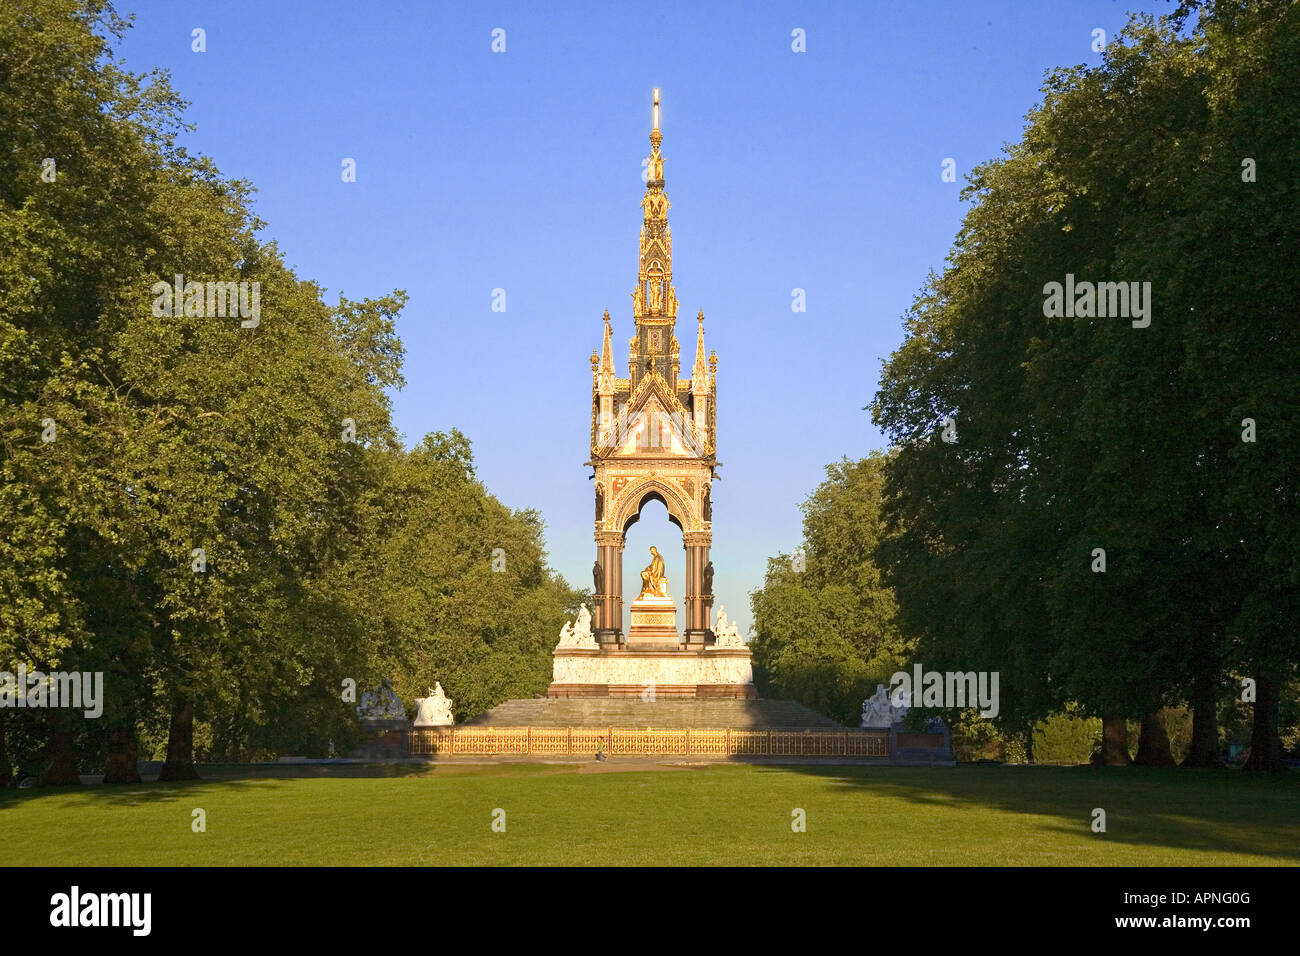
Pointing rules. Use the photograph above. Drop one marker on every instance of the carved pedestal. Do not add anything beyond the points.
(654, 623)
(650, 674)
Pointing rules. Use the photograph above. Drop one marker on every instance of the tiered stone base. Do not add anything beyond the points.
(706, 674)
(676, 713)
(661, 691)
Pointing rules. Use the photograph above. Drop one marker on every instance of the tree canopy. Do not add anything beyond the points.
(824, 622)
(1115, 522)
(213, 510)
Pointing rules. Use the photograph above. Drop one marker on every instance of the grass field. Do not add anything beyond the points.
(720, 814)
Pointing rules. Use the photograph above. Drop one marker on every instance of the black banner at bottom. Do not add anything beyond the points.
(345, 904)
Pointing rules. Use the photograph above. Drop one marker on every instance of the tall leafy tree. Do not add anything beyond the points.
(824, 621)
(174, 480)
(453, 585)
(1082, 435)
(85, 143)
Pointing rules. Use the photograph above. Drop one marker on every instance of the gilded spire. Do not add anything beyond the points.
(699, 373)
(605, 375)
(655, 300)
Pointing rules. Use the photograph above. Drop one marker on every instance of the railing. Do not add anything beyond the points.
(571, 741)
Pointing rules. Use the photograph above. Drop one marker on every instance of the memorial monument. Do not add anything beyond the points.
(653, 438)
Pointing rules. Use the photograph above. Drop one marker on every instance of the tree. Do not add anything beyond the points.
(1095, 504)
(824, 622)
(85, 141)
(166, 525)
(437, 605)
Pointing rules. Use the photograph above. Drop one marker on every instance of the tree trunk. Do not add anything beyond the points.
(1204, 749)
(123, 754)
(5, 773)
(180, 745)
(1114, 741)
(1153, 744)
(1265, 744)
(1029, 745)
(62, 771)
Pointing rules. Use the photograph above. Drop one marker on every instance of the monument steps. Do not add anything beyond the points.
(659, 714)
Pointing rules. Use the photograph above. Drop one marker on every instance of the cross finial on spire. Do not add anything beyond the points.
(605, 370)
(656, 137)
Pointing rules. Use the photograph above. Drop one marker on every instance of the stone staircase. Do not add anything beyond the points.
(635, 714)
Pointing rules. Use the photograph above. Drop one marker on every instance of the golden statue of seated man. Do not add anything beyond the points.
(654, 583)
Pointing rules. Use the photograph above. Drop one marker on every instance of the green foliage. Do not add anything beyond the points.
(423, 582)
(326, 558)
(976, 738)
(1066, 738)
(1075, 434)
(825, 635)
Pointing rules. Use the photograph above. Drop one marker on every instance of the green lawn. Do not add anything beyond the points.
(722, 814)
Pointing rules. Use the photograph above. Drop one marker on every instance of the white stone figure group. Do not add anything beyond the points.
(434, 710)
(579, 635)
(726, 633)
(382, 703)
(881, 713)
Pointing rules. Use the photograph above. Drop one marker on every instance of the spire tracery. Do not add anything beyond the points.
(655, 299)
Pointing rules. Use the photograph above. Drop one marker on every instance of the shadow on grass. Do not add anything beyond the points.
(225, 777)
(1219, 811)
(1201, 811)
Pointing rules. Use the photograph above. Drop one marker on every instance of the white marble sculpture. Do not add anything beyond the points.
(382, 703)
(726, 633)
(881, 713)
(578, 635)
(582, 630)
(434, 710)
(721, 626)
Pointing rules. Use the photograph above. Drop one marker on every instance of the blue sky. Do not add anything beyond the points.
(522, 171)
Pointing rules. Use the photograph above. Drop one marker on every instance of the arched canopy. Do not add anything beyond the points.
(629, 511)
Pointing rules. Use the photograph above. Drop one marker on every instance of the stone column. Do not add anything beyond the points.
(609, 548)
(697, 602)
(599, 596)
(692, 593)
(616, 622)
